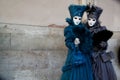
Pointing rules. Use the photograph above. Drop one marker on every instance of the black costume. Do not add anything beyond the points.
(102, 65)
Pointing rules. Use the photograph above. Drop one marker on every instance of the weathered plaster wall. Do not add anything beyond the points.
(31, 52)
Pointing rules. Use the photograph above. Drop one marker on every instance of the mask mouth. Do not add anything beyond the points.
(77, 23)
(90, 24)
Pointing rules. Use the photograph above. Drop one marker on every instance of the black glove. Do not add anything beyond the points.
(103, 45)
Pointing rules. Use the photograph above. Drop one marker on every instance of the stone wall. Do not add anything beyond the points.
(34, 12)
(31, 52)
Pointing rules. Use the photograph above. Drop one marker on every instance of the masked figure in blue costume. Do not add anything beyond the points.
(79, 43)
(102, 65)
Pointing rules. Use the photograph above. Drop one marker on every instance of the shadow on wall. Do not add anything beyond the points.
(119, 56)
(117, 1)
(118, 53)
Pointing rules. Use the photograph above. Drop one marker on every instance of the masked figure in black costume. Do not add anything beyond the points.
(102, 65)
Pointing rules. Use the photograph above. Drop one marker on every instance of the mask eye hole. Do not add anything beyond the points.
(75, 18)
(89, 19)
(93, 19)
(79, 18)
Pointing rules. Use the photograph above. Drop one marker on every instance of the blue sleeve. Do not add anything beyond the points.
(69, 21)
(69, 37)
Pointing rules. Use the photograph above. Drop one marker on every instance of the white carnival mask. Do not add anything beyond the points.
(91, 21)
(77, 20)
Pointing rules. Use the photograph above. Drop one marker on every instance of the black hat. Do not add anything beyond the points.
(94, 12)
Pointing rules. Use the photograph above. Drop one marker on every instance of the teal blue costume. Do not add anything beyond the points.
(78, 62)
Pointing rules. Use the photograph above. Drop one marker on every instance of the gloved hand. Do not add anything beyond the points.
(76, 41)
(103, 44)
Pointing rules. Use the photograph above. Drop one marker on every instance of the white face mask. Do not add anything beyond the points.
(77, 20)
(91, 21)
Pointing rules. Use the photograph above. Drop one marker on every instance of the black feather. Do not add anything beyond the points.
(103, 35)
